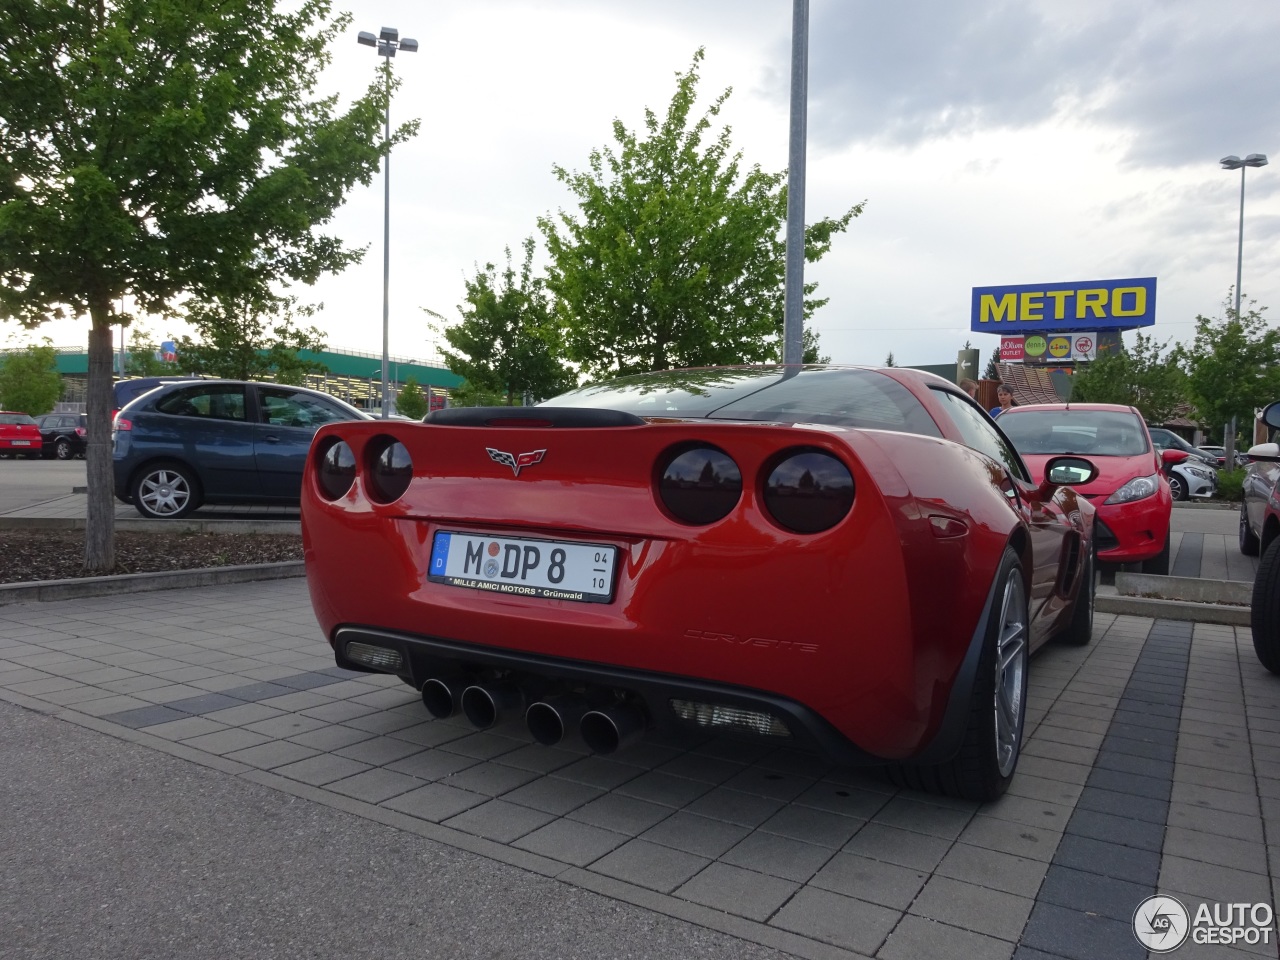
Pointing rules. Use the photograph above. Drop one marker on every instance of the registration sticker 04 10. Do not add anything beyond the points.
(551, 569)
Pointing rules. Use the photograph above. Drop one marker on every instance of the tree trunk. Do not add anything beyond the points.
(99, 535)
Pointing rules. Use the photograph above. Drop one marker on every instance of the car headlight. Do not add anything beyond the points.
(1139, 488)
(1200, 472)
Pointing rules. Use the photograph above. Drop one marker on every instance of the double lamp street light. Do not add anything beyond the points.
(387, 43)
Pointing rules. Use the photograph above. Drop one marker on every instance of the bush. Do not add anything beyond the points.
(1231, 484)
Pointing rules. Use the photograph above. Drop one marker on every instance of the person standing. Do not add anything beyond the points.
(1005, 395)
(970, 387)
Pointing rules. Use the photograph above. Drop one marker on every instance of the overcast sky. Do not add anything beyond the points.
(994, 142)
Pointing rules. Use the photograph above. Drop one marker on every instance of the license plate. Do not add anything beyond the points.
(20, 443)
(552, 569)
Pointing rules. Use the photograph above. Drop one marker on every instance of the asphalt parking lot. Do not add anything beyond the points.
(187, 774)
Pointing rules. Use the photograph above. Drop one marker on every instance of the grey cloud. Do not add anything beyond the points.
(1185, 80)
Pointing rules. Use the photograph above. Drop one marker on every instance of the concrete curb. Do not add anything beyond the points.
(1173, 610)
(157, 526)
(1206, 505)
(79, 587)
(1148, 585)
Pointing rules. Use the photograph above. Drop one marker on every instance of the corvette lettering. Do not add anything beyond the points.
(760, 642)
(516, 462)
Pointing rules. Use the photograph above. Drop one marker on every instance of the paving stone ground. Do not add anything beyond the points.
(1151, 764)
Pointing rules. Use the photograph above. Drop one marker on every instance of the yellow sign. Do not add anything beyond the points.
(1060, 346)
(1035, 346)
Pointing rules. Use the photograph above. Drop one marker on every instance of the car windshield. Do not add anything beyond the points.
(842, 397)
(1099, 433)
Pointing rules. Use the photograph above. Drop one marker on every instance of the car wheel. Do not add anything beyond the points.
(1265, 609)
(1177, 487)
(1159, 564)
(988, 755)
(62, 449)
(1248, 539)
(1080, 631)
(165, 491)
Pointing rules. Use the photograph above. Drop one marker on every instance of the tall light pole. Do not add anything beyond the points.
(793, 285)
(1235, 163)
(387, 43)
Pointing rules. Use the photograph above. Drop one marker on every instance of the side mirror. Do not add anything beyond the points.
(1069, 472)
(1265, 452)
(1171, 457)
(1271, 415)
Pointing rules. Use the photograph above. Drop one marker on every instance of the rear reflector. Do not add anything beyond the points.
(376, 658)
(721, 717)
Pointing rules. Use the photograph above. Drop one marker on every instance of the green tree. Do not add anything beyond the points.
(1143, 376)
(506, 344)
(889, 361)
(166, 148)
(992, 372)
(1232, 365)
(250, 338)
(812, 347)
(29, 379)
(143, 357)
(412, 402)
(677, 256)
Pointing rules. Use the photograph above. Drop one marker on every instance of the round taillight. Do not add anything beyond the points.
(809, 492)
(390, 473)
(700, 485)
(337, 470)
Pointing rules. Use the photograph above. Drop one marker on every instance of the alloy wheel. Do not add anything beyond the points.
(1011, 670)
(164, 492)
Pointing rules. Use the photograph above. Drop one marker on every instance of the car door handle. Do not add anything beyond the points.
(271, 439)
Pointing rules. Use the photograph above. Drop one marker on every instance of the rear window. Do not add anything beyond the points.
(1102, 433)
(846, 398)
(15, 419)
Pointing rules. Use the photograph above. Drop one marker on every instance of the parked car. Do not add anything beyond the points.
(1219, 455)
(1168, 440)
(1188, 476)
(217, 441)
(63, 435)
(19, 435)
(849, 560)
(1131, 492)
(1259, 526)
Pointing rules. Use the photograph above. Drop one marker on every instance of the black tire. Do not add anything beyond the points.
(1249, 544)
(1080, 630)
(1264, 612)
(1178, 487)
(988, 755)
(165, 491)
(1159, 564)
(62, 448)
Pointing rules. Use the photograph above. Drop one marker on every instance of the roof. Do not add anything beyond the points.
(1030, 384)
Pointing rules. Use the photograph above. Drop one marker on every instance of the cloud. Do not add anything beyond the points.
(1182, 81)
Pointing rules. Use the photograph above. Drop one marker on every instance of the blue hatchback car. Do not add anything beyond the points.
(188, 443)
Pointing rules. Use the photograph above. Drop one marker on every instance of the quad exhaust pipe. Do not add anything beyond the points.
(604, 730)
(610, 729)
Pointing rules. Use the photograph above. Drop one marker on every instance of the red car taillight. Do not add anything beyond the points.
(390, 472)
(337, 470)
(808, 491)
(700, 485)
(80, 431)
(122, 424)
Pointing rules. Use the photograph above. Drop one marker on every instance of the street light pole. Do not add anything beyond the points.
(387, 43)
(793, 284)
(1233, 163)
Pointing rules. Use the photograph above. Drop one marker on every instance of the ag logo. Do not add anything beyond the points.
(1161, 924)
(1060, 346)
(1035, 346)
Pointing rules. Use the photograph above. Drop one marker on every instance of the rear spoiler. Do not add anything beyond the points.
(576, 417)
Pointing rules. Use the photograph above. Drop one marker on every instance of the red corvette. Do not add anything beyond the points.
(853, 561)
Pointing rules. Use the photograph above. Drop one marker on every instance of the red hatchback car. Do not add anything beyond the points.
(19, 435)
(851, 561)
(1131, 493)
